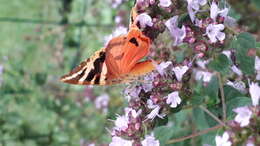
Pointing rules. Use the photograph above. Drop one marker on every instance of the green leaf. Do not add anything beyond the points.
(179, 55)
(244, 42)
(231, 92)
(234, 103)
(212, 89)
(220, 64)
(200, 119)
(161, 122)
(164, 133)
(258, 43)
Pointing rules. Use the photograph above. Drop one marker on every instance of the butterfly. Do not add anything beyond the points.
(118, 62)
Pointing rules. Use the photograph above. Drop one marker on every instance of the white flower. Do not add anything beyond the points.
(144, 20)
(119, 31)
(161, 68)
(177, 33)
(254, 91)
(150, 141)
(133, 112)
(223, 141)
(173, 99)
(154, 113)
(165, 3)
(227, 53)
(215, 11)
(243, 115)
(118, 141)
(180, 71)
(236, 70)
(116, 3)
(121, 123)
(202, 63)
(194, 6)
(214, 33)
(257, 67)
(239, 85)
(205, 76)
(102, 101)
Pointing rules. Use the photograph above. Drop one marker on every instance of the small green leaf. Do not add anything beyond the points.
(231, 92)
(220, 64)
(244, 42)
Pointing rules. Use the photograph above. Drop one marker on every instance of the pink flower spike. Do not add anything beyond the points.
(223, 140)
(144, 20)
(243, 115)
(150, 141)
(118, 141)
(173, 99)
(165, 3)
(254, 91)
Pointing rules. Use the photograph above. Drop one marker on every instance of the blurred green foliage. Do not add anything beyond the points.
(40, 41)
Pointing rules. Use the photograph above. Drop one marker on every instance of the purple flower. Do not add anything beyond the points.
(162, 67)
(118, 141)
(215, 11)
(144, 20)
(177, 33)
(132, 92)
(173, 99)
(243, 115)
(101, 102)
(165, 3)
(254, 91)
(223, 140)
(194, 6)
(214, 33)
(150, 141)
(142, 3)
(180, 71)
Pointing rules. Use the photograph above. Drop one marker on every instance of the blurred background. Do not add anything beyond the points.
(42, 40)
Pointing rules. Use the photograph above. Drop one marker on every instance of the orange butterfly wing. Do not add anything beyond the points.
(119, 62)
